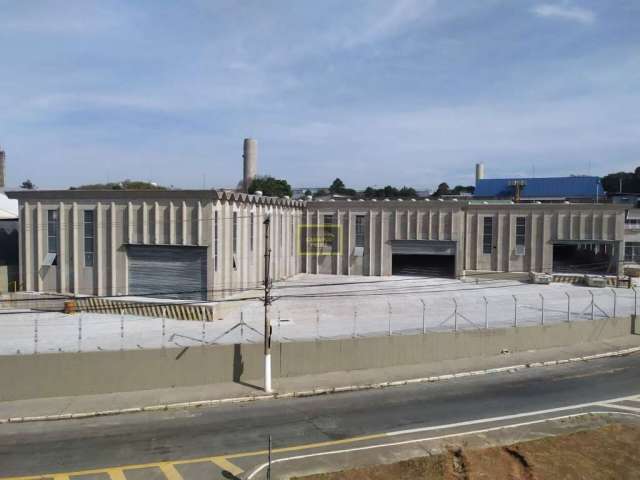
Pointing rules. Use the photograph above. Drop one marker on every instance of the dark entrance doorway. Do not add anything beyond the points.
(424, 265)
(583, 257)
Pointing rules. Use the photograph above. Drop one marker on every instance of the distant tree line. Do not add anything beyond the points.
(270, 186)
(338, 188)
(124, 185)
(443, 189)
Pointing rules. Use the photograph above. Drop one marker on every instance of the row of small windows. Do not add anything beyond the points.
(329, 230)
(53, 241)
(632, 252)
(90, 238)
(487, 235)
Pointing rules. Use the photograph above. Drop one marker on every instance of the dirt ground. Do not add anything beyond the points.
(607, 453)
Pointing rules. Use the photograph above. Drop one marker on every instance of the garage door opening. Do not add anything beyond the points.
(424, 265)
(585, 258)
(168, 272)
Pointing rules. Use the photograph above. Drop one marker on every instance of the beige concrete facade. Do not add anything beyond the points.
(438, 222)
(369, 234)
(174, 218)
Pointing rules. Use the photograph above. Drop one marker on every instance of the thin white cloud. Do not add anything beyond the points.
(564, 12)
(388, 22)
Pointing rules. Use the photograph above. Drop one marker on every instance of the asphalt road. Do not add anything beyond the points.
(38, 448)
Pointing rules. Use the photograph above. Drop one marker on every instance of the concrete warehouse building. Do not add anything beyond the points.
(207, 244)
(449, 239)
(198, 244)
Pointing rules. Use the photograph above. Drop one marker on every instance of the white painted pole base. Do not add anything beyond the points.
(267, 373)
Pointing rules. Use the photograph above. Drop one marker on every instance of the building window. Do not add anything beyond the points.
(235, 233)
(521, 234)
(251, 220)
(487, 235)
(359, 231)
(328, 235)
(89, 238)
(52, 237)
(215, 241)
(632, 252)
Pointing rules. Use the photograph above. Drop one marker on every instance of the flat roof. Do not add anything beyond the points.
(111, 195)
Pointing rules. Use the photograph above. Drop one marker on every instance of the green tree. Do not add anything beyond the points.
(270, 186)
(626, 182)
(443, 189)
(307, 192)
(458, 189)
(337, 186)
(27, 185)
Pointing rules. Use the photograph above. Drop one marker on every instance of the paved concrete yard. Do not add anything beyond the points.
(326, 306)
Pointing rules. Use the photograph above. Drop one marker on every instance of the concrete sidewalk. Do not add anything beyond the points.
(129, 402)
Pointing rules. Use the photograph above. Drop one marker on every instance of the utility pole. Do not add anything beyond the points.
(267, 305)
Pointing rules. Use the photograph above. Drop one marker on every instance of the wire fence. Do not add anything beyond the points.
(315, 319)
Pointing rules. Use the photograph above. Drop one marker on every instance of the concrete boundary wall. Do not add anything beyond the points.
(63, 374)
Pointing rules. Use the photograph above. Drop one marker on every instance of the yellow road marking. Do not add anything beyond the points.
(170, 471)
(61, 477)
(225, 464)
(113, 472)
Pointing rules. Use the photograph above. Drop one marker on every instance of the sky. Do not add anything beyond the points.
(400, 92)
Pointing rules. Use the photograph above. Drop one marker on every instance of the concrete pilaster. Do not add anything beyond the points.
(113, 217)
(99, 260)
(62, 249)
(145, 223)
(75, 246)
(185, 225)
(27, 254)
(41, 229)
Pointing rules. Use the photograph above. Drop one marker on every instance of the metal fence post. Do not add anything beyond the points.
(389, 303)
(121, 329)
(279, 324)
(35, 333)
(635, 301)
(424, 308)
(593, 304)
(355, 321)
(164, 324)
(80, 332)
(204, 332)
(568, 306)
(515, 311)
(455, 315)
(486, 312)
(542, 310)
(615, 301)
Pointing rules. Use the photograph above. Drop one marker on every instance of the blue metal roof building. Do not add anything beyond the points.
(559, 188)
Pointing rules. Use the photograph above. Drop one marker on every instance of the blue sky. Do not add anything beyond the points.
(402, 92)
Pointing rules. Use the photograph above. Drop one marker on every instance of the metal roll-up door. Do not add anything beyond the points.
(423, 247)
(423, 258)
(168, 272)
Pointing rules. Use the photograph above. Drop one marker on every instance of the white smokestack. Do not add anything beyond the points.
(250, 157)
(479, 171)
(2, 156)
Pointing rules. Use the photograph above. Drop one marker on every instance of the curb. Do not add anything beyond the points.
(314, 392)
